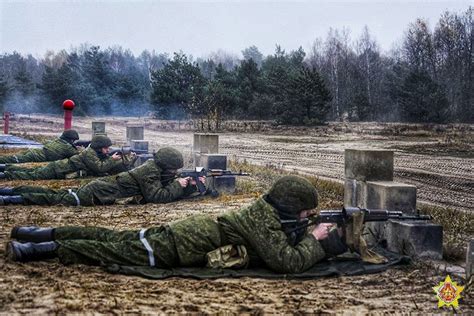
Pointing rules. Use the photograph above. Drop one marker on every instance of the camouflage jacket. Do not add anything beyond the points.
(89, 162)
(147, 180)
(257, 227)
(54, 150)
(58, 149)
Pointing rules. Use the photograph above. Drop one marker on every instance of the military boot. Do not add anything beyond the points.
(2, 167)
(32, 233)
(11, 199)
(6, 191)
(29, 251)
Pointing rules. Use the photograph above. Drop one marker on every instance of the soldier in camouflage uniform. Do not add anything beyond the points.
(256, 230)
(155, 181)
(93, 161)
(60, 148)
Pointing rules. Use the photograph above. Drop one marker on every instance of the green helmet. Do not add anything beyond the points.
(100, 141)
(70, 134)
(168, 158)
(293, 194)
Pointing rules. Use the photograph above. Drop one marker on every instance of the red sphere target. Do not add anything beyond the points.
(68, 105)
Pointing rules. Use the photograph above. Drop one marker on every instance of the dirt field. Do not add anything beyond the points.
(48, 287)
(439, 160)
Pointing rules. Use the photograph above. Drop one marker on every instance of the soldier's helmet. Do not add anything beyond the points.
(70, 135)
(169, 158)
(292, 194)
(100, 141)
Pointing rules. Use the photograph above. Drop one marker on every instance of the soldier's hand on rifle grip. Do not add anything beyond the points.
(201, 179)
(116, 156)
(183, 182)
(322, 230)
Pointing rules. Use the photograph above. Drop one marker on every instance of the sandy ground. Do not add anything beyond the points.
(444, 180)
(48, 287)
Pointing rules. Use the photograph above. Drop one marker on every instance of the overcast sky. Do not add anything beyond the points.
(200, 27)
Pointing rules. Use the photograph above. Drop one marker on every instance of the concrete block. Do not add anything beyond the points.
(141, 145)
(197, 159)
(392, 196)
(368, 165)
(206, 143)
(135, 132)
(375, 233)
(98, 128)
(420, 239)
(470, 260)
(355, 193)
(213, 161)
(222, 184)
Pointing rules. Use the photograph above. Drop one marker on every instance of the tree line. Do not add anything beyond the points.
(427, 77)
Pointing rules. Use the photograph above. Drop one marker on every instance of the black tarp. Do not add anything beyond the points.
(333, 267)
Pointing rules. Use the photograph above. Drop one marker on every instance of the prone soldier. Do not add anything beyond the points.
(60, 148)
(254, 234)
(93, 161)
(155, 182)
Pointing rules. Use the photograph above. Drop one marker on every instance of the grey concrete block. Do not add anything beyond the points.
(197, 159)
(392, 196)
(135, 132)
(355, 193)
(375, 233)
(222, 184)
(368, 165)
(141, 145)
(98, 128)
(213, 161)
(470, 260)
(206, 143)
(419, 239)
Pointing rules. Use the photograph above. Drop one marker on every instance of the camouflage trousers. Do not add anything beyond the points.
(101, 246)
(38, 173)
(29, 156)
(96, 192)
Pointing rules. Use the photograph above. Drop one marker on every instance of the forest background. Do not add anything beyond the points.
(427, 77)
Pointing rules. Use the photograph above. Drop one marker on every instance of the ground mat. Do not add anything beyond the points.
(334, 267)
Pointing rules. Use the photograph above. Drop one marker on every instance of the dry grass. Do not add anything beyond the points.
(458, 229)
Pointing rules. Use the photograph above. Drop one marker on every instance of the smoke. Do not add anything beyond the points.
(173, 111)
(117, 107)
(16, 102)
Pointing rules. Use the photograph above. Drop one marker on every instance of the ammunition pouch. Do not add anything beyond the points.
(76, 174)
(357, 243)
(228, 256)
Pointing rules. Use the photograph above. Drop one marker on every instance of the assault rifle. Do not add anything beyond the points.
(82, 143)
(126, 150)
(341, 217)
(202, 172)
